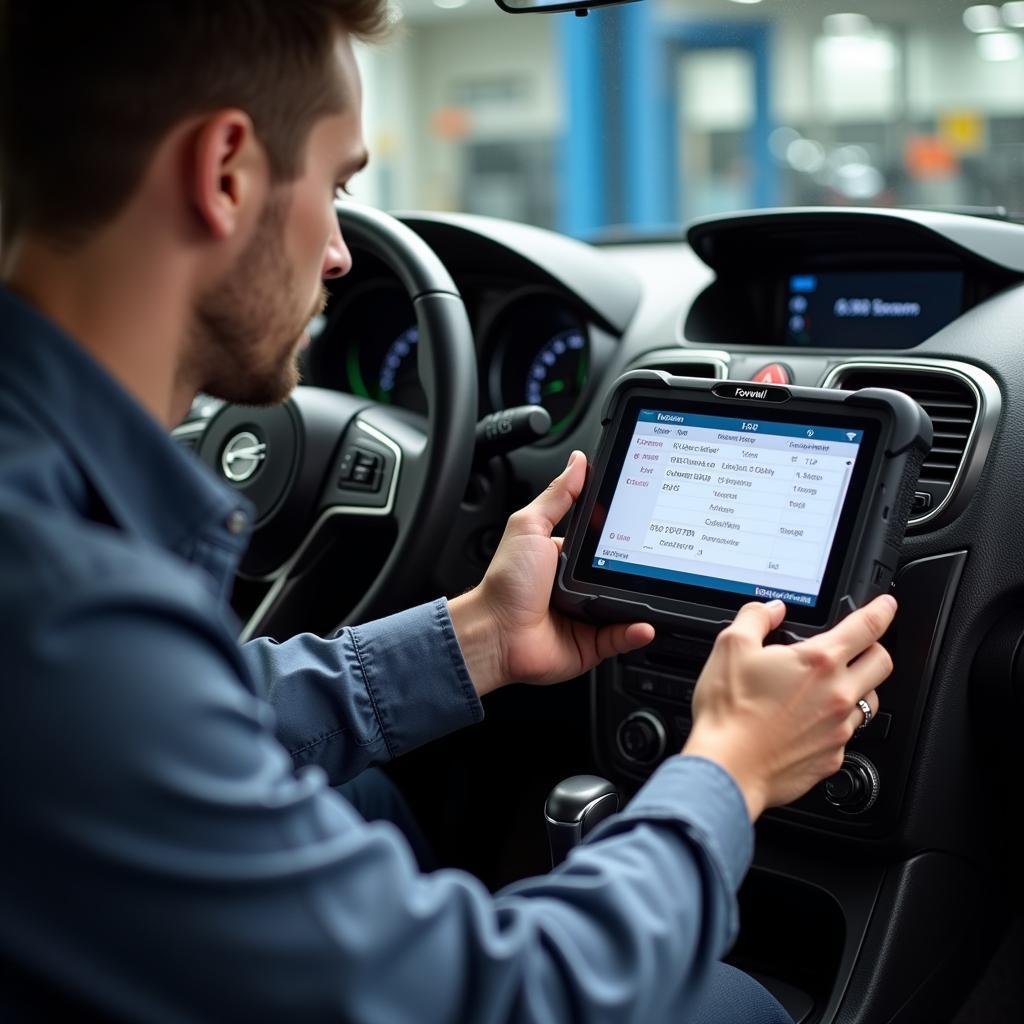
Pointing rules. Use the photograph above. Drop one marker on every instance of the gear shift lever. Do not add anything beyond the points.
(573, 808)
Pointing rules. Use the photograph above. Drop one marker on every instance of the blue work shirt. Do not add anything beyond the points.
(172, 848)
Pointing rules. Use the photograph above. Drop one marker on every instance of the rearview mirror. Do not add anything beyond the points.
(540, 6)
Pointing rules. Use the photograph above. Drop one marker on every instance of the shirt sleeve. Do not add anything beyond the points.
(370, 693)
(174, 865)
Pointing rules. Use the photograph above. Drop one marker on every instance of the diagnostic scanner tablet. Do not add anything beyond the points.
(706, 494)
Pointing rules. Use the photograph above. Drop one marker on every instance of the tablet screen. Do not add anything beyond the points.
(748, 507)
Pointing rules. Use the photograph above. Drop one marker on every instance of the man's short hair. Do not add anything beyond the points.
(88, 89)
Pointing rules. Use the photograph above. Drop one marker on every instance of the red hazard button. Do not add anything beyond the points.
(773, 373)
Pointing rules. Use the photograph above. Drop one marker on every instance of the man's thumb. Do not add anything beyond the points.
(556, 499)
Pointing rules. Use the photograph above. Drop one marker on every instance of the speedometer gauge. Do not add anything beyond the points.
(558, 375)
(540, 354)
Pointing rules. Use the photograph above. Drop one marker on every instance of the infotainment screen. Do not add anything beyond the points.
(705, 495)
(749, 506)
(870, 309)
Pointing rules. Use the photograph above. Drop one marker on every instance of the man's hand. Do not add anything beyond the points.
(777, 718)
(506, 628)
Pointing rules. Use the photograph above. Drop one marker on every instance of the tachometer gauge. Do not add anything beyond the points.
(558, 375)
(390, 378)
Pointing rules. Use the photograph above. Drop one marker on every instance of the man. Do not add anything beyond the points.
(167, 175)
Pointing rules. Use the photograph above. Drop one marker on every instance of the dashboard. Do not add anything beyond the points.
(929, 303)
(536, 345)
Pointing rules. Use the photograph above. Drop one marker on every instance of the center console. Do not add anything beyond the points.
(641, 704)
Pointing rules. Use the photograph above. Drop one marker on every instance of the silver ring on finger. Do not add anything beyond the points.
(866, 711)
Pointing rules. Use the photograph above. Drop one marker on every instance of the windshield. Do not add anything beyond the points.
(639, 118)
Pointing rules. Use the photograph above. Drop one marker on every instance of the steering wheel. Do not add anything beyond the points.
(327, 468)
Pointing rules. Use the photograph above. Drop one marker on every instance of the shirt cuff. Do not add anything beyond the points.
(702, 798)
(415, 675)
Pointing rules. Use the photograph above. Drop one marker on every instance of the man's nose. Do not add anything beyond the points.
(337, 258)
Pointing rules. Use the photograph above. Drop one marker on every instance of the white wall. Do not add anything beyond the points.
(410, 81)
(946, 73)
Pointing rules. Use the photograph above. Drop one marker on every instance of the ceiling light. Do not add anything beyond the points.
(859, 53)
(805, 155)
(450, 5)
(859, 182)
(746, 1)
(1013, 13)
(1000, 46)
(982, 18)
(846, 25)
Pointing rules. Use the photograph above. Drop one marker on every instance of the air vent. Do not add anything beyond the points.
(951, 402)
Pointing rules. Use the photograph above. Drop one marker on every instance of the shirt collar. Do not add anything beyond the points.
(151, 487)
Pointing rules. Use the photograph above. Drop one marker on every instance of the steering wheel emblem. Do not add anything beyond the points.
(242, 456)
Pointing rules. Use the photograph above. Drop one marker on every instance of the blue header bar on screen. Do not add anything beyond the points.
(761, 428)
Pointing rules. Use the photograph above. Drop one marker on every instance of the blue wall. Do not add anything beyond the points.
(620, 155)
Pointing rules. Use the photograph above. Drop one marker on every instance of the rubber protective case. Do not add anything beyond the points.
(872, 552)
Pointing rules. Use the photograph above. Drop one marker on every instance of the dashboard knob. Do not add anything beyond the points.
(854, 788)
(641, 737)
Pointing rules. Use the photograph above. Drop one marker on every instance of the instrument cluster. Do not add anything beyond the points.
(534, 345)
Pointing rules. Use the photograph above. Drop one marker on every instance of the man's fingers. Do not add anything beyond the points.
(860, 629)
(621, 639)
(754, 621)
(551, 505)
(871, 669)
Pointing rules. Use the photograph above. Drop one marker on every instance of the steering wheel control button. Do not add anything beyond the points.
(641, 738)
(773, 373)
(752, 392)
(854, 788)
(361, 468)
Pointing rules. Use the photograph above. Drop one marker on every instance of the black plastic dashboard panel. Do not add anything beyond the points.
(536, 256)
(854, 279)
(749, 237)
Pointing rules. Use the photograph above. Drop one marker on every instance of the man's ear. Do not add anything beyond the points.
(229, 171)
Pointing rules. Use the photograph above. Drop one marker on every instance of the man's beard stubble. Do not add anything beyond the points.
(247, 331)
